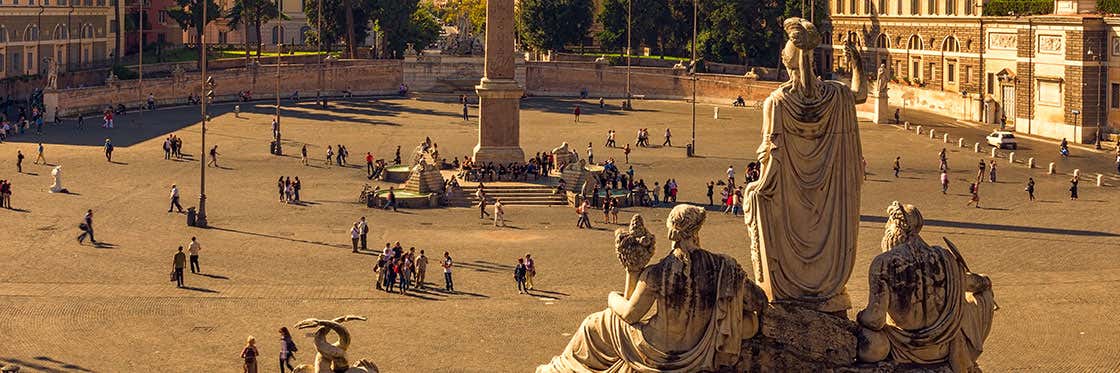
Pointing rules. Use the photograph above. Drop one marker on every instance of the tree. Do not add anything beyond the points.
(404, 22)
(188, 14)
(424, 28)
(254, 14)
(551, 24)
(474, 10)
(334, 21)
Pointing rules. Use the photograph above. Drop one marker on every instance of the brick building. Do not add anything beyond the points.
(75, 35)
(1045, 73)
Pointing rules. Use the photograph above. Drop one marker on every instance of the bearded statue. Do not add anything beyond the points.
(925, 307)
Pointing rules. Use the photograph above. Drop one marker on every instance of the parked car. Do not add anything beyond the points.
(1002, 139)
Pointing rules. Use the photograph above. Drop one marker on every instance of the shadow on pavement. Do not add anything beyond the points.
(998, 227)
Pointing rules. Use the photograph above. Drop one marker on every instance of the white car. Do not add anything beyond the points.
(1002, 139)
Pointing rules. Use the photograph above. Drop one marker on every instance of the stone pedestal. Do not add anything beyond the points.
(882, 113)
(499, 94)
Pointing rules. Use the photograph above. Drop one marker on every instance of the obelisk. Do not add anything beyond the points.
(499, 95)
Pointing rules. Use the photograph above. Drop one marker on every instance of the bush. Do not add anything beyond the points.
(1108, 6)
(124, 73)
(1024, 7)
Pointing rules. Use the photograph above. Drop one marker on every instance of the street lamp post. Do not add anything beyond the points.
(68, 31)
(1100, 92)
(692, 144)
(319, 51)
(279, 49)
(140, 93)
(629, 6)
(200, 219)
(38, 34)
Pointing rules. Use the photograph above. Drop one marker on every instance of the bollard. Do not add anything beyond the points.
(994, 152)
(1030, 162)
(1051, 169)
(976, 147)
(906, 125)
(931, 134)
(1076, 173)
(1011, 157)
(960, 142)
(716, 115)
(918, 130)
(1100, 179)
(945, 138)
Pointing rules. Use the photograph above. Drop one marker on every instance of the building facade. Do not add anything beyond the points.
(74, 35)
(1045, 75)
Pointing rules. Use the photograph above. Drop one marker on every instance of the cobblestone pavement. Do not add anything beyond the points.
(70, 307)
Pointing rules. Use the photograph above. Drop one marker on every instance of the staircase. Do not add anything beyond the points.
(512, 194)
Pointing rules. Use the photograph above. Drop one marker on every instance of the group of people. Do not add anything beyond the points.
(340, 158)
(289, 189)
(22, 124)
(407, 270)
(173, 147)
(250, 353)
(643, 137)
(179, 262)
(6, 194)
(513, 171)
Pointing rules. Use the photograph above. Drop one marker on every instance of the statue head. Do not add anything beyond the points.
(802, 38)
(634, 244)
(684, 222)
(904, 223)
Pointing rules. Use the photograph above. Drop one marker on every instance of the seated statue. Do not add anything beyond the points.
(688, 312)
(924, 306)
(564, 155)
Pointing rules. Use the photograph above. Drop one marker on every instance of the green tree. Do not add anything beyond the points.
(424, 28)
(334, 22)
(188, 14)
(474, 10)
(551, 24)
(251, 15)
(404, 22)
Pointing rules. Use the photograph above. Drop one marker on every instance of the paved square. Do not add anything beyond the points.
(70, 307)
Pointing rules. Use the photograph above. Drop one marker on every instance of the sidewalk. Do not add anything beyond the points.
(1106, 146)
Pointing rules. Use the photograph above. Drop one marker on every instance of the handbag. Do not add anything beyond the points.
(172, 275)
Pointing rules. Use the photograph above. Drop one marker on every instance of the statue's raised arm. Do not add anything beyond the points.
(859, 79)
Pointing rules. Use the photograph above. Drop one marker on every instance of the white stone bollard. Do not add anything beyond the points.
(1076, 173)
(976, 147)
(1030, 162)
(906, 125)
(1100, 179)
(1011, 157)
(931, 134)
(960, 142)
(1051, 169)
(918, 130)
(945, 138)
(716, 115)
(994, 152)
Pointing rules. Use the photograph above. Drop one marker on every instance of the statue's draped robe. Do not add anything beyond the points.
(606, 343)
(803, 212)
(935, 318)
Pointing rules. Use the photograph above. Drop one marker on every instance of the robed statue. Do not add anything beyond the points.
(803, 212)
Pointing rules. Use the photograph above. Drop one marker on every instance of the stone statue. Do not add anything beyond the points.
(112, 79)
(52, 73)
(882, 79)
(803, 213)
(331, 357)
(178, 75)
(924, 305)
(564, 155)
(57, 186)
(688, 312)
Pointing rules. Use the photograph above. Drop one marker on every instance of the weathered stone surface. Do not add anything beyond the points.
(795, 339)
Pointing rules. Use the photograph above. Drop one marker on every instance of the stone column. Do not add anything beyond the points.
(499, 94)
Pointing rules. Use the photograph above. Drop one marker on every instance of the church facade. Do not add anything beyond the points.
(1045, 75)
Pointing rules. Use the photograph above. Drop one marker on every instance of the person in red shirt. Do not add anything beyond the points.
(369, 164)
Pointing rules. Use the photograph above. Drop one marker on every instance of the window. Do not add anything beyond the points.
(1049, 92)
(2, 65)
(839, 6)
(931, 6)
(951, 72)
(163, 17)
(915, 6)
(950, 7)
(881, 7)
(991, 83)
(951, 45)
(969, 7)
(915, 42)
(881, 41)
(898, 7)
(222, 35)
(915, 68)
(3, 35)
(852, 7)
(966, 77)
(1114, 97)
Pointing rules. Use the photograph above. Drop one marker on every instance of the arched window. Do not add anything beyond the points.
(87, 31)
(60, 32)
(882, 42)
(951, 45)
(915, 42)
(31, 33)
(277, 35)
(3, 34)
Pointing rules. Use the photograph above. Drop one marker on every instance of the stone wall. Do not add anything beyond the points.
(448, 74)
(600, 80)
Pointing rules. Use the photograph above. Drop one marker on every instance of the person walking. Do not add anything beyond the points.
(530, 271)
(992, 171)
(730, 175)
(980, 171)
(19, 161)
(87, 228)
(287, 349)
(519, 275)
(626, 153)
(1030, 189)
(179, 262)
(974, 190)
(174, 199)
(213, 157)
(39, 156)
(466, 112)
(581, 215)
(499, 213)
(354, 235)
(391, 200)
(192, 248)
(896, 116)
(668, 138)
(481, 196)
(330, 156)
(421, 269)
(363, 230)
(944, 182)
(369, 165)
(249, 355)
(897, 166)
(303, 155)
(1073, 188)
(711, 187)
(576, 112)
(590, 155)
(108, 150)
(447, 263)
(943, 162)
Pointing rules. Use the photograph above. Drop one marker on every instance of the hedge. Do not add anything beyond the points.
(1024, 7)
